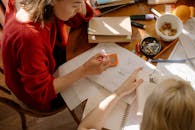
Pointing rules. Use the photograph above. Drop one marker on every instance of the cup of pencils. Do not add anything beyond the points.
(168, 27)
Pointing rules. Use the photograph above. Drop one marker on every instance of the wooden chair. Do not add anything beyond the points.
(8, 98)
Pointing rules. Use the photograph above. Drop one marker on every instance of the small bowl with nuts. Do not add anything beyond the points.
(168, 27)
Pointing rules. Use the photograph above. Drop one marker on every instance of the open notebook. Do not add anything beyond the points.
(110, 79)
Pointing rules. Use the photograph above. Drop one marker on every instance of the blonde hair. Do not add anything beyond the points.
(39, 10)
(170, 107)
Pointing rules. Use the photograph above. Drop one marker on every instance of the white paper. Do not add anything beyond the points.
(112, 78)
(182, 70)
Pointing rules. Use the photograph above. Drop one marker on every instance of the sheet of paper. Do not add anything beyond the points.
(182, 70)
(132, 120)
(189, 28)
(112, 78)
(79, 92)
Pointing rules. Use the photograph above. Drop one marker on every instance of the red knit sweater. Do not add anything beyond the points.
(27, 51)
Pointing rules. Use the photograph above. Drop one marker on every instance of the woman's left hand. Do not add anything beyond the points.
(80, 6)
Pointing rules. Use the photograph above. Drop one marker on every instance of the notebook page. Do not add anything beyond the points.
(79, 92)
(114, 120)
(112, 78)
(132, 120)
(182, 70)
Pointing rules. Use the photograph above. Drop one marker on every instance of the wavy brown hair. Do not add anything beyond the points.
(170, 107)
(39, 10)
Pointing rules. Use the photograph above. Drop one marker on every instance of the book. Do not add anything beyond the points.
(102, 11)
(109, 29)
(154, 2)
(96, 5)
(106, 1)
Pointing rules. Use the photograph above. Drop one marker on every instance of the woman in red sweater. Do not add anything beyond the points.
(34, 34)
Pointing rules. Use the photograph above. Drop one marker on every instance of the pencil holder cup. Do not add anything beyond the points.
(168, 27)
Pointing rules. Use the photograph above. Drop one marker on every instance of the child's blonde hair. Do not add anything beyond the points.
(40, 10)
(170, 107)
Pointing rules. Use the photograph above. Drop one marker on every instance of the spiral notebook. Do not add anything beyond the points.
(123, 117)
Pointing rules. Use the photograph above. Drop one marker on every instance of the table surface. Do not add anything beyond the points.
(78, 38)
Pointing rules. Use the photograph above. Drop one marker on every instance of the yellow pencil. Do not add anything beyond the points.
(167, 47)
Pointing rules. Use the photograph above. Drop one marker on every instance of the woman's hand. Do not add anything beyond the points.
(130, 84)
(96, 64)
(80, 7)
(66, 9)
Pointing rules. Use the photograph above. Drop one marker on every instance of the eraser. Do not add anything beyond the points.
(113, 59)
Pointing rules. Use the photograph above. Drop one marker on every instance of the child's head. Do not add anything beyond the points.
(170, 107)
(43, 10)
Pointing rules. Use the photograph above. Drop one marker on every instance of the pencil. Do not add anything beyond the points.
(167, 47)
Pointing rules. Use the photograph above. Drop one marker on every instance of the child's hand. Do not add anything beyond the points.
(130, 84)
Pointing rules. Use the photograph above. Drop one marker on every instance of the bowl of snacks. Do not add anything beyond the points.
(150, 46)
(168, 27)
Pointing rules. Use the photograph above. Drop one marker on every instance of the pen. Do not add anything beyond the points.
(168, 61)
(103, 52)
(142, 17)
(172, 61)
(155, 12)
(139, 25)
(167, 47)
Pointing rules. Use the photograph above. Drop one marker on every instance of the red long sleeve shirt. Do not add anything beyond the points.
(27, 51)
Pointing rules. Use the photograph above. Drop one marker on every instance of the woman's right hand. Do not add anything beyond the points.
(96, 64)
(130, 84)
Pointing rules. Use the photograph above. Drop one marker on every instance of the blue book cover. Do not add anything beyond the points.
(105, 1)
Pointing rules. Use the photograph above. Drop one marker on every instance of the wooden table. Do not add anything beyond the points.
(78, 38)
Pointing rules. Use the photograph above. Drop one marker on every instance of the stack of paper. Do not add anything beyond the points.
(109, 29)
(153, 2)
(109, 3)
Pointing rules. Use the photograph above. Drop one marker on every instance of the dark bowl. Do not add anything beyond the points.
(150, 46)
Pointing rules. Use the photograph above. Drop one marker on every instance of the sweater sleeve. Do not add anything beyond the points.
(35, 68)
(78, 19)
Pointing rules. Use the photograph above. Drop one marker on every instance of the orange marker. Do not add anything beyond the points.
(138, 49)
